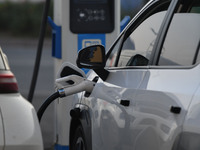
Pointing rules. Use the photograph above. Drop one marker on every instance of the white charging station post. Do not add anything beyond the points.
(78, 24)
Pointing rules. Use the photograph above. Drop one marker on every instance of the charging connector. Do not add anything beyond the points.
(67, 86)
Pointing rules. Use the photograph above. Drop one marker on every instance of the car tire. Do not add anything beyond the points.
(78, 141)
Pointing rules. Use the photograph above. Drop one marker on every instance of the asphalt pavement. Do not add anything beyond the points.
(21, 53)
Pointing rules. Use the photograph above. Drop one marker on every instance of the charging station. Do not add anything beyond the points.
(81, 23)
(78, 24)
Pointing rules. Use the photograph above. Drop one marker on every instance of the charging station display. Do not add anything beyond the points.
(91, 16)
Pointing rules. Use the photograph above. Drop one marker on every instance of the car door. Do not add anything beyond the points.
(117, 122)
(168, 88)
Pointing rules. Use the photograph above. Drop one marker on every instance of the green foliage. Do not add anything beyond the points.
(21, 19)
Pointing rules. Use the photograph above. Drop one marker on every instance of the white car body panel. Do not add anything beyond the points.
(193, 116)
(108, 114)
(191, 130)
(163, 89)
(148, 116)
(21, 126)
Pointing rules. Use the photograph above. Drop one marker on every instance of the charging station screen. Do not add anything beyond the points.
(91, 16)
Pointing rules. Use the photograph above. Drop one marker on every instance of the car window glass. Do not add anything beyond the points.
(113, 56)
(195, 10)
(182, 39)
(138, 46)
(1, 61)
(134, 46)
(198, 54)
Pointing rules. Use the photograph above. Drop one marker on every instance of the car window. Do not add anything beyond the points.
(181, 45)
(140, 43)
(1, 61)
(135, 49)
(113, 55)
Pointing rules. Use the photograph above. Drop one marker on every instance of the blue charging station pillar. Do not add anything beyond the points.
(78, 24)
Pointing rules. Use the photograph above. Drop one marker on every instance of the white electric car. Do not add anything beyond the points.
(147, 91)
(19, 126)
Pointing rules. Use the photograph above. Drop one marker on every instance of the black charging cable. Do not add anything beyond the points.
(48, 101)
(39, 50)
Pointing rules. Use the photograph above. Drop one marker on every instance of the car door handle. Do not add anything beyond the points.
(175, 109)
(125, 102)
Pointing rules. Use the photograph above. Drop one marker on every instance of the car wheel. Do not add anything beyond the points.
(78, 142)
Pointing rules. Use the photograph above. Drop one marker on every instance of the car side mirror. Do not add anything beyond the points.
(93, 57)
(138, 60)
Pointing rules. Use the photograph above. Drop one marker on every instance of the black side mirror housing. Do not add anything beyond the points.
(93, 57)
(138, 60)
